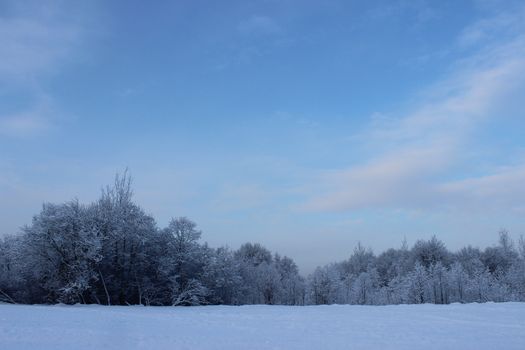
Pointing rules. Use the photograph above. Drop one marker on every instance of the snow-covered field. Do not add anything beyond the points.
(470, 326)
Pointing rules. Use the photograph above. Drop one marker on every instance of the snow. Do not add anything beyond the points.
(456, 326)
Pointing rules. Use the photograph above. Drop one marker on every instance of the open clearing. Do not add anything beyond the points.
(456, 326)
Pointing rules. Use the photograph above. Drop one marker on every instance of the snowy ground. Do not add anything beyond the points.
(471, 326)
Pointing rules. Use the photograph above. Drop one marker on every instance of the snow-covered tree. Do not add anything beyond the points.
(439, 284)
(12, 286)
(430, 252)
(111, 252)
(360, 261)
(183, 264)
(458, 280)
(365, 289)
(64, 249)
(124, 229)
(324, 286)
(222, 277)
(417, 291)
(291, 291)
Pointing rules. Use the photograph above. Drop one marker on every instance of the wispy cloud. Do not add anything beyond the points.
(413, 154)
(30, 121)
(23, 124)
(36, 39)
(493, 28)
(501, 189)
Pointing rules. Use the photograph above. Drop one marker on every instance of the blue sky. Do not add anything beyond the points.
(306, 126)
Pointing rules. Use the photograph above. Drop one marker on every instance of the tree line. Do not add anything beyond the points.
(111, 252)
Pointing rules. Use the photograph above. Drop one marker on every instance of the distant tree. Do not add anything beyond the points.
(324, 286)
(439, 284)
(254, 254)
(469, 258)
(515, 279)
(392, 263)
(430, 252)
(496, 260)
(365, 288)
(397, 290)
(480, 286)
(111, 252)
(12, 286)
(222, 277)
(184, 263)
(360, 261)
(291, 284)
(417, 282)
(259, 277)
(521, 247)
(458, 280)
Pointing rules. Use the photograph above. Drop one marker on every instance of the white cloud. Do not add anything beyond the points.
(393, 179)
(502, 189)
(494, 28)
(32, 42)
(23, 124)
(28, 122)
(413, 154)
